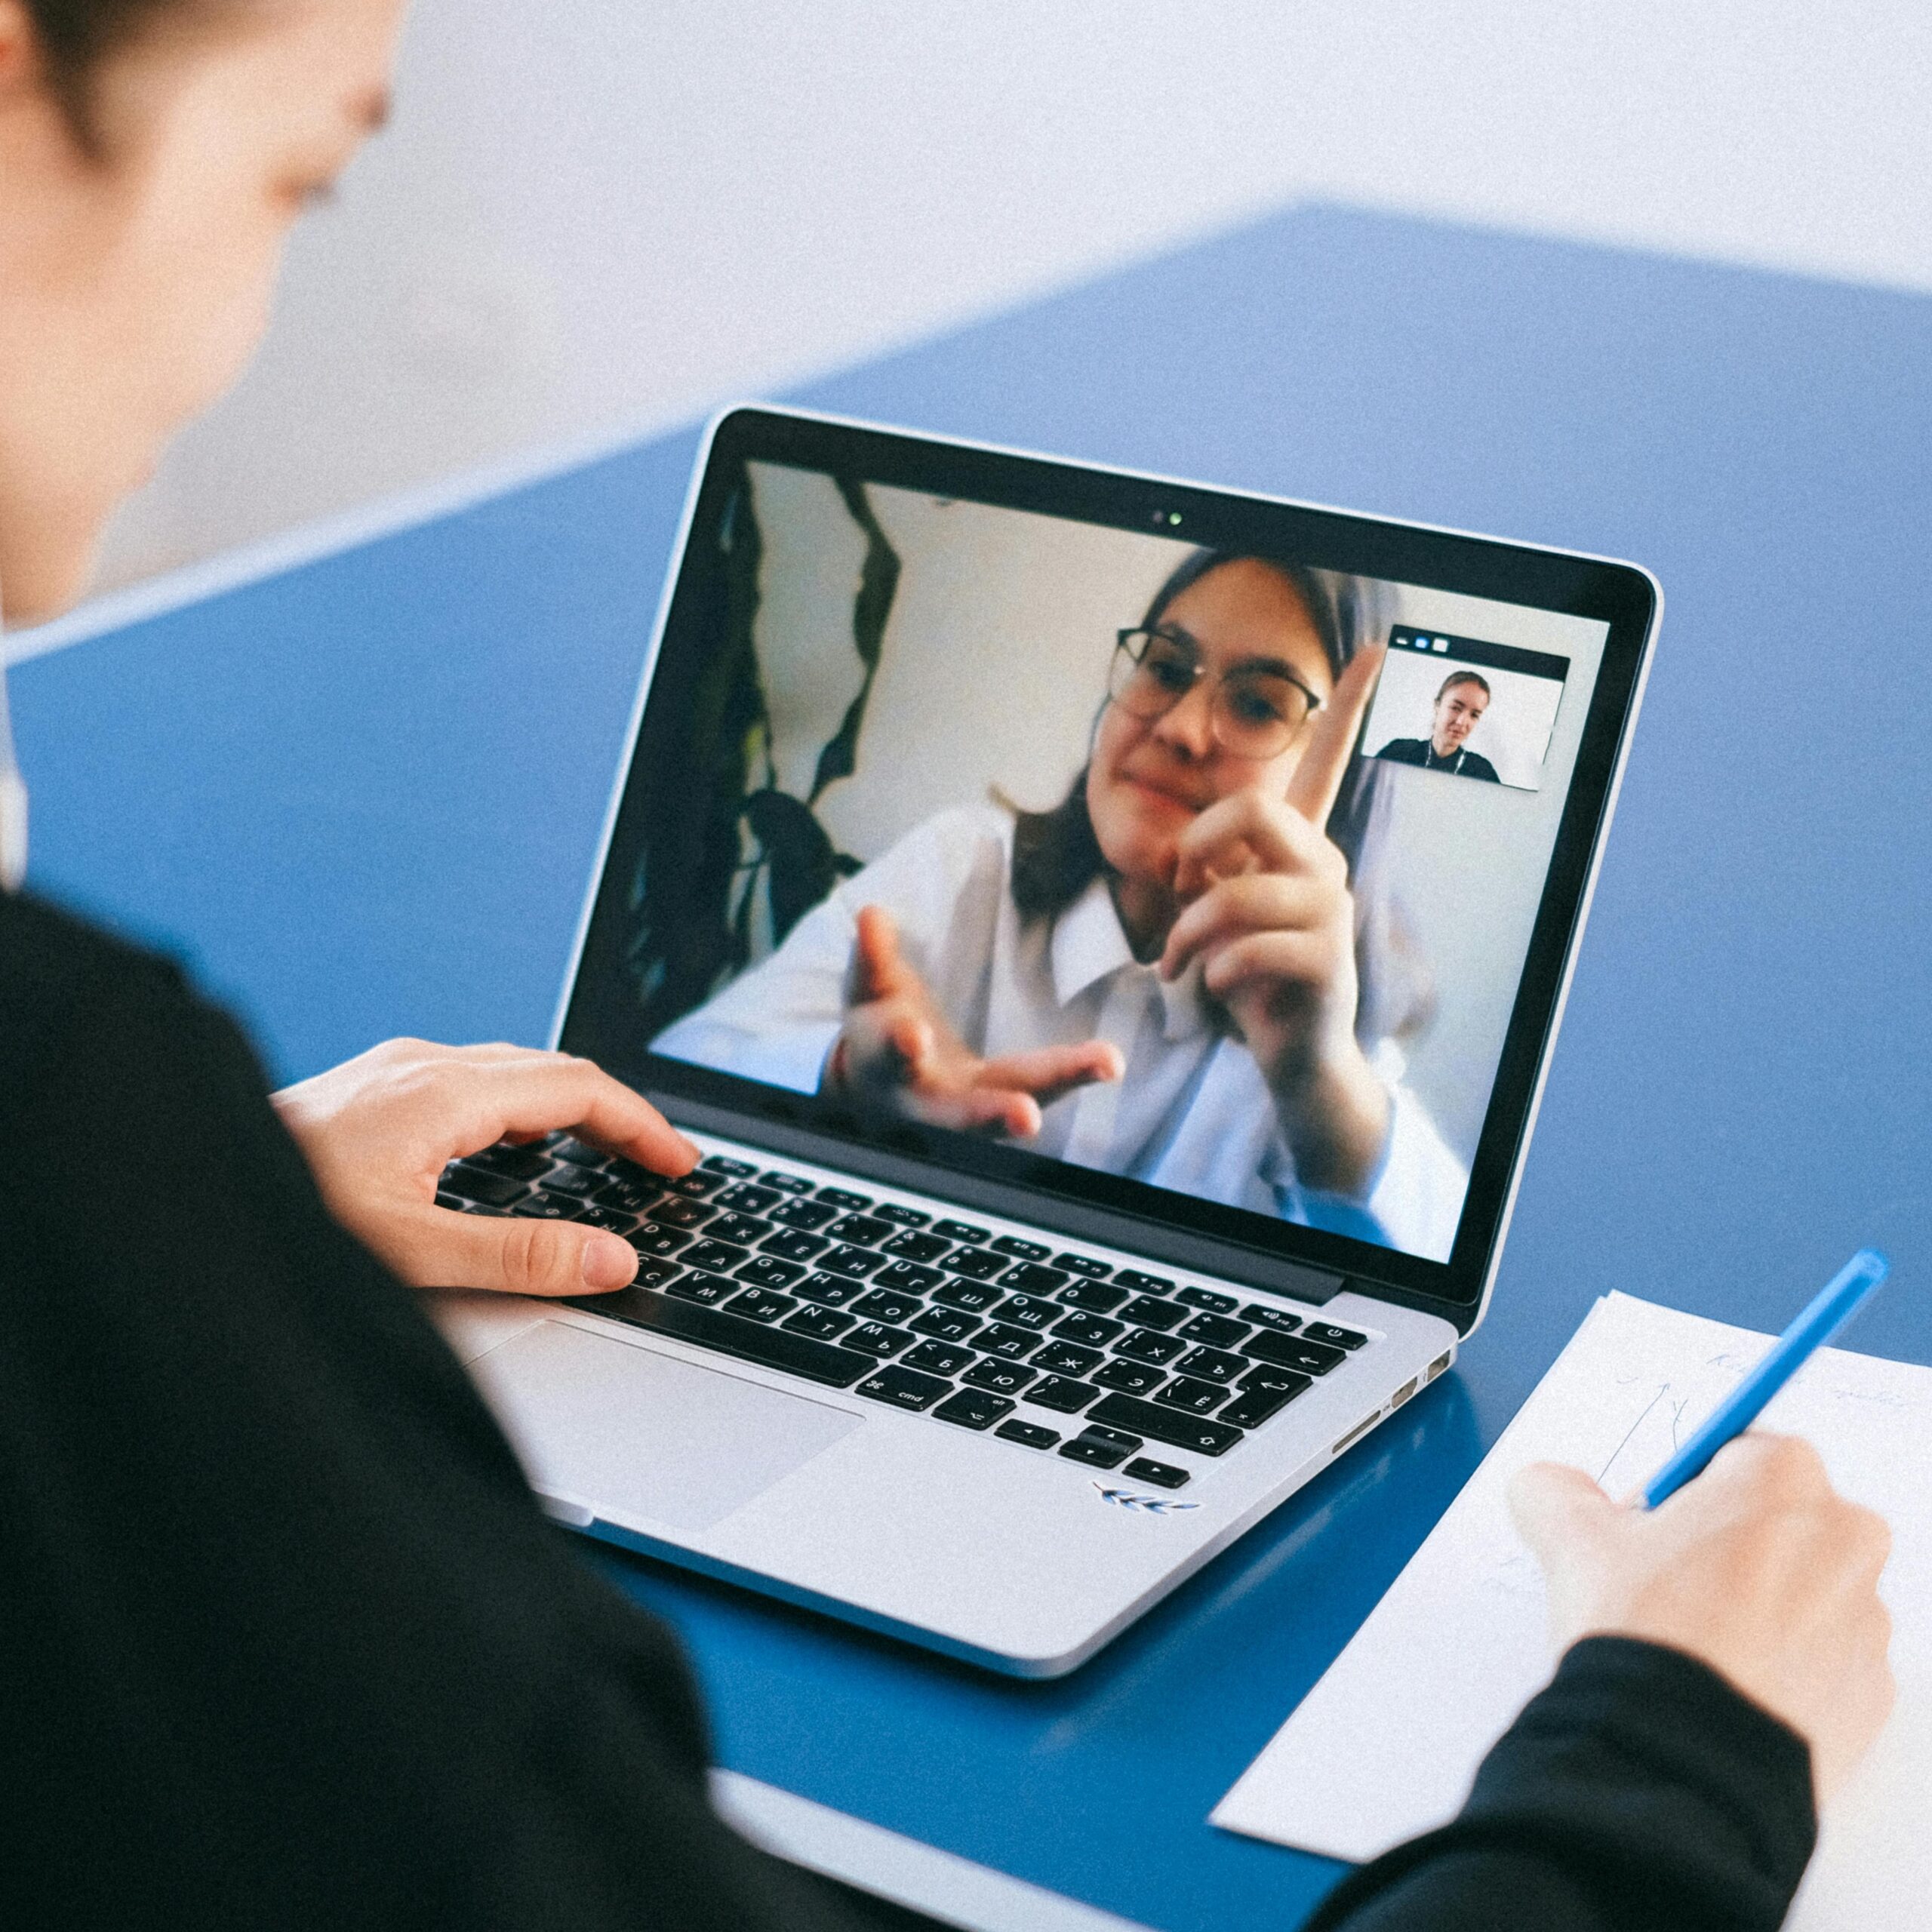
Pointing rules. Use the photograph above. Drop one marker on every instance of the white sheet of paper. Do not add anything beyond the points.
(1386, 1746)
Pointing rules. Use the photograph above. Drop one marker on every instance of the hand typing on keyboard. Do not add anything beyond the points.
(378, 1130)
(897, 1049)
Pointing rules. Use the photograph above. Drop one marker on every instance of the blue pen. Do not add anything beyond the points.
(1835, 1303)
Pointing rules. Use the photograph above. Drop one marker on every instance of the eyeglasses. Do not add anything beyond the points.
(1254, 712)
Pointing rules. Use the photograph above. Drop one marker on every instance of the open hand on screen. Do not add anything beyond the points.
(1267, 911)
(897, 1049)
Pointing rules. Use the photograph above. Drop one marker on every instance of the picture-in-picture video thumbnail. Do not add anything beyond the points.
(1470, 709)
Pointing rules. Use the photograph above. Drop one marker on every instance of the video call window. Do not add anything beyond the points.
(920, 786)
(1469, 709)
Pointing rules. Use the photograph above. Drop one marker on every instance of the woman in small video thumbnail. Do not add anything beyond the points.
(1181, 973)
(1460, 705)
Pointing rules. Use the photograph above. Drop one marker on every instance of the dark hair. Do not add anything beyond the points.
(77, 38)
(1056, 855)
(1456, 677)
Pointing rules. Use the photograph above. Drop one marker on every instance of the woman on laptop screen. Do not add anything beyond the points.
(1195, 922)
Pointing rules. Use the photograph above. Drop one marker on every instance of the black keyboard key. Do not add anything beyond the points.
(747, 1230)
(907, 1277)
(1063, 1358)
(949, 1324)
(1131, 1378)
(602, 1217)
(1191, 1398)
(721, 1255)
(877, 1338)
(1294, 1352)
(1218, 1331)
(939, 1358)
(767, 1271)
(844, 1197)
(580, 1183)
(856, 1262)
(1211, 1365)
(1062, 1394)
(695, 1185)
(1162, 1476)
(903, 1217)
(631, 1196)
(1270, 1317)
(913, 1246)
(1009, 1344)
(862, 1230)
(786, 1183)
(1082, 1264)
(809, 1215)
(1003, 1378)
(1144, 1284)
(789, 1244)
(1095, 1450)
(544, 1206)
(760, 1305)
(745, 1198)
(1265, 1375)
(750, 1341)
(577, 1153)
(709, 1290)
(973, 1408)
(981, 1263)
(826, 1324)
(1090, 1331)
(1029, 1277)
(1335, 1338)
(882, 1304)
(833, 1290)
(527, 1163)
(1029, 1436)
(677, 1212)
(1021, 1251)
(1252, 1406)
(1211, 1300)
(1143, 1345)
(960, 1230)
(493, 1190)
(1096, 1297)
(976, 1297)
(723, 1164)
(1150, 1311)
(1168, 1426)
(453, 1201)
(1028, 1312)
(653, 1274)
(904, 1388)
(652, 1239)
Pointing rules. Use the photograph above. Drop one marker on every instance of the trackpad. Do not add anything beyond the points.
(636, 1433)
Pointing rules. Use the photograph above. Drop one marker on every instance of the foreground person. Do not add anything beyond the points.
(287, 1642)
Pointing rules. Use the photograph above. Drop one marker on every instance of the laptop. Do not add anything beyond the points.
(1107, 935)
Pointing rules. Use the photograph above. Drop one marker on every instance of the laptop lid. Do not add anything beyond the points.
(1046, 720)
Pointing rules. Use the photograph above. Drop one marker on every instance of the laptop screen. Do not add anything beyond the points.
(1200, 867)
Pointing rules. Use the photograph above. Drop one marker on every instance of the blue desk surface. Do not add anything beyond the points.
(362, 796)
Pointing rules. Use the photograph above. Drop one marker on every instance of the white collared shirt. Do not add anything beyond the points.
(1192, 1111)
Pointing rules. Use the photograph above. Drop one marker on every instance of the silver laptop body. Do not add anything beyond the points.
(979, 1504)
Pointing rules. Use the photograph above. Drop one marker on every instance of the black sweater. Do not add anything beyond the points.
(285, 1642)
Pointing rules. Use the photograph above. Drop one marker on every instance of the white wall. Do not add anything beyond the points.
(620, 211)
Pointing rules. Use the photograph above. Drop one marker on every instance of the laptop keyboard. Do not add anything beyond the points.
(898, 1300)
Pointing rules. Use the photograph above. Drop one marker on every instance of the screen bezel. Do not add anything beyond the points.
(1206, 1234)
